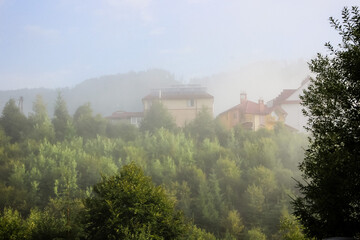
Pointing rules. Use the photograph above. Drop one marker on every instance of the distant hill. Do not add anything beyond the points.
(106, 94)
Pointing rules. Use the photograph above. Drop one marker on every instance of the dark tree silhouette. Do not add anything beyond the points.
(330, 200)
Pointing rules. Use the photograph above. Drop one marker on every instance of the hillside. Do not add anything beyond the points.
(125, 91)
(106, 94)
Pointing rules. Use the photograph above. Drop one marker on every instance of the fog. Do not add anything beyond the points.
(80, 157)
(63, 43)
(111, 93)
(263, 80)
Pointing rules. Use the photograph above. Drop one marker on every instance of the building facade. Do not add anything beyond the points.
(287, 107)
(249, 114)
(183, 102)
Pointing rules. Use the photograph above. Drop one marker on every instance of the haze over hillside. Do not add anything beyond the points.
(124, 91)
(105, 94)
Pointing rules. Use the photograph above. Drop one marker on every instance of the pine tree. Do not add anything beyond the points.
(62, 120)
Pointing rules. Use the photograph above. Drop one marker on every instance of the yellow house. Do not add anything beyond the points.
(183, 102)
(250, 115)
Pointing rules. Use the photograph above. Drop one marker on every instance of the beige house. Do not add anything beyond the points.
(183, 102)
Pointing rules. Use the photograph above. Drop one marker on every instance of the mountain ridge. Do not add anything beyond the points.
(106, 94)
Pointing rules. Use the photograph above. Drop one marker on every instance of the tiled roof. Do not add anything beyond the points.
(286, 93)
(249, 107)
(283, 96)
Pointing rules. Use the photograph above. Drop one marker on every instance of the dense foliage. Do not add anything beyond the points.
(329, 204)
(227, 184)
(129, 205)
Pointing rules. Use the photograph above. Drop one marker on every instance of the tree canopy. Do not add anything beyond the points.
(157, 117)
(128, 205)
(329, 204)
(62, 120)
(13, 121)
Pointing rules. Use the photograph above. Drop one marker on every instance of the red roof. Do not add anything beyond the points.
(286, 93)
(283, 96)
(250, 107)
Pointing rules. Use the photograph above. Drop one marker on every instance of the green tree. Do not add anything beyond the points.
(157, 117)
(128, 204)
(127, 132)
(203, 126)
(255, 201)
(11, 225)
(62, 121)
(255, 234)
(196, 233)
(14, 122)
(290, 229)
(43, 225)
(329, 204)
(86, 125)
(42, 127)
(233, 224)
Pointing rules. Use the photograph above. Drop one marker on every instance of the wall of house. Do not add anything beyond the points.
(270, 121)
(230, 118)
(294, 117)
(224, 119)
(256, 123)
(181, 109)
(147, 104)
(183, 112)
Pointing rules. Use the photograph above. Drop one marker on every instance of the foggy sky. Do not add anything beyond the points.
(60, 43)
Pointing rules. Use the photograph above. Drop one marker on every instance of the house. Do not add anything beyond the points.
(133, 118)
(287, 107)
(249, 114)
(183, 102)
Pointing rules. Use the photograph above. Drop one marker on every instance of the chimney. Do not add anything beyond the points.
(243, 98)
(261, 105)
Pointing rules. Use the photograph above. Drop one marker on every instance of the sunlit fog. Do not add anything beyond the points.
(179, 119)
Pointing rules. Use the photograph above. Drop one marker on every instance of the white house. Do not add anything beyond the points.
(286, 107)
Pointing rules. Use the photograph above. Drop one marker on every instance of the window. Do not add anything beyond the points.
(191, 103)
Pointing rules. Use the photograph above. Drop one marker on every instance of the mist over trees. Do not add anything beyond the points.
(106, 94)
(75, 175)
(199, 182)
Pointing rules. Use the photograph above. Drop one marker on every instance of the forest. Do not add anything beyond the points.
(82, 177)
